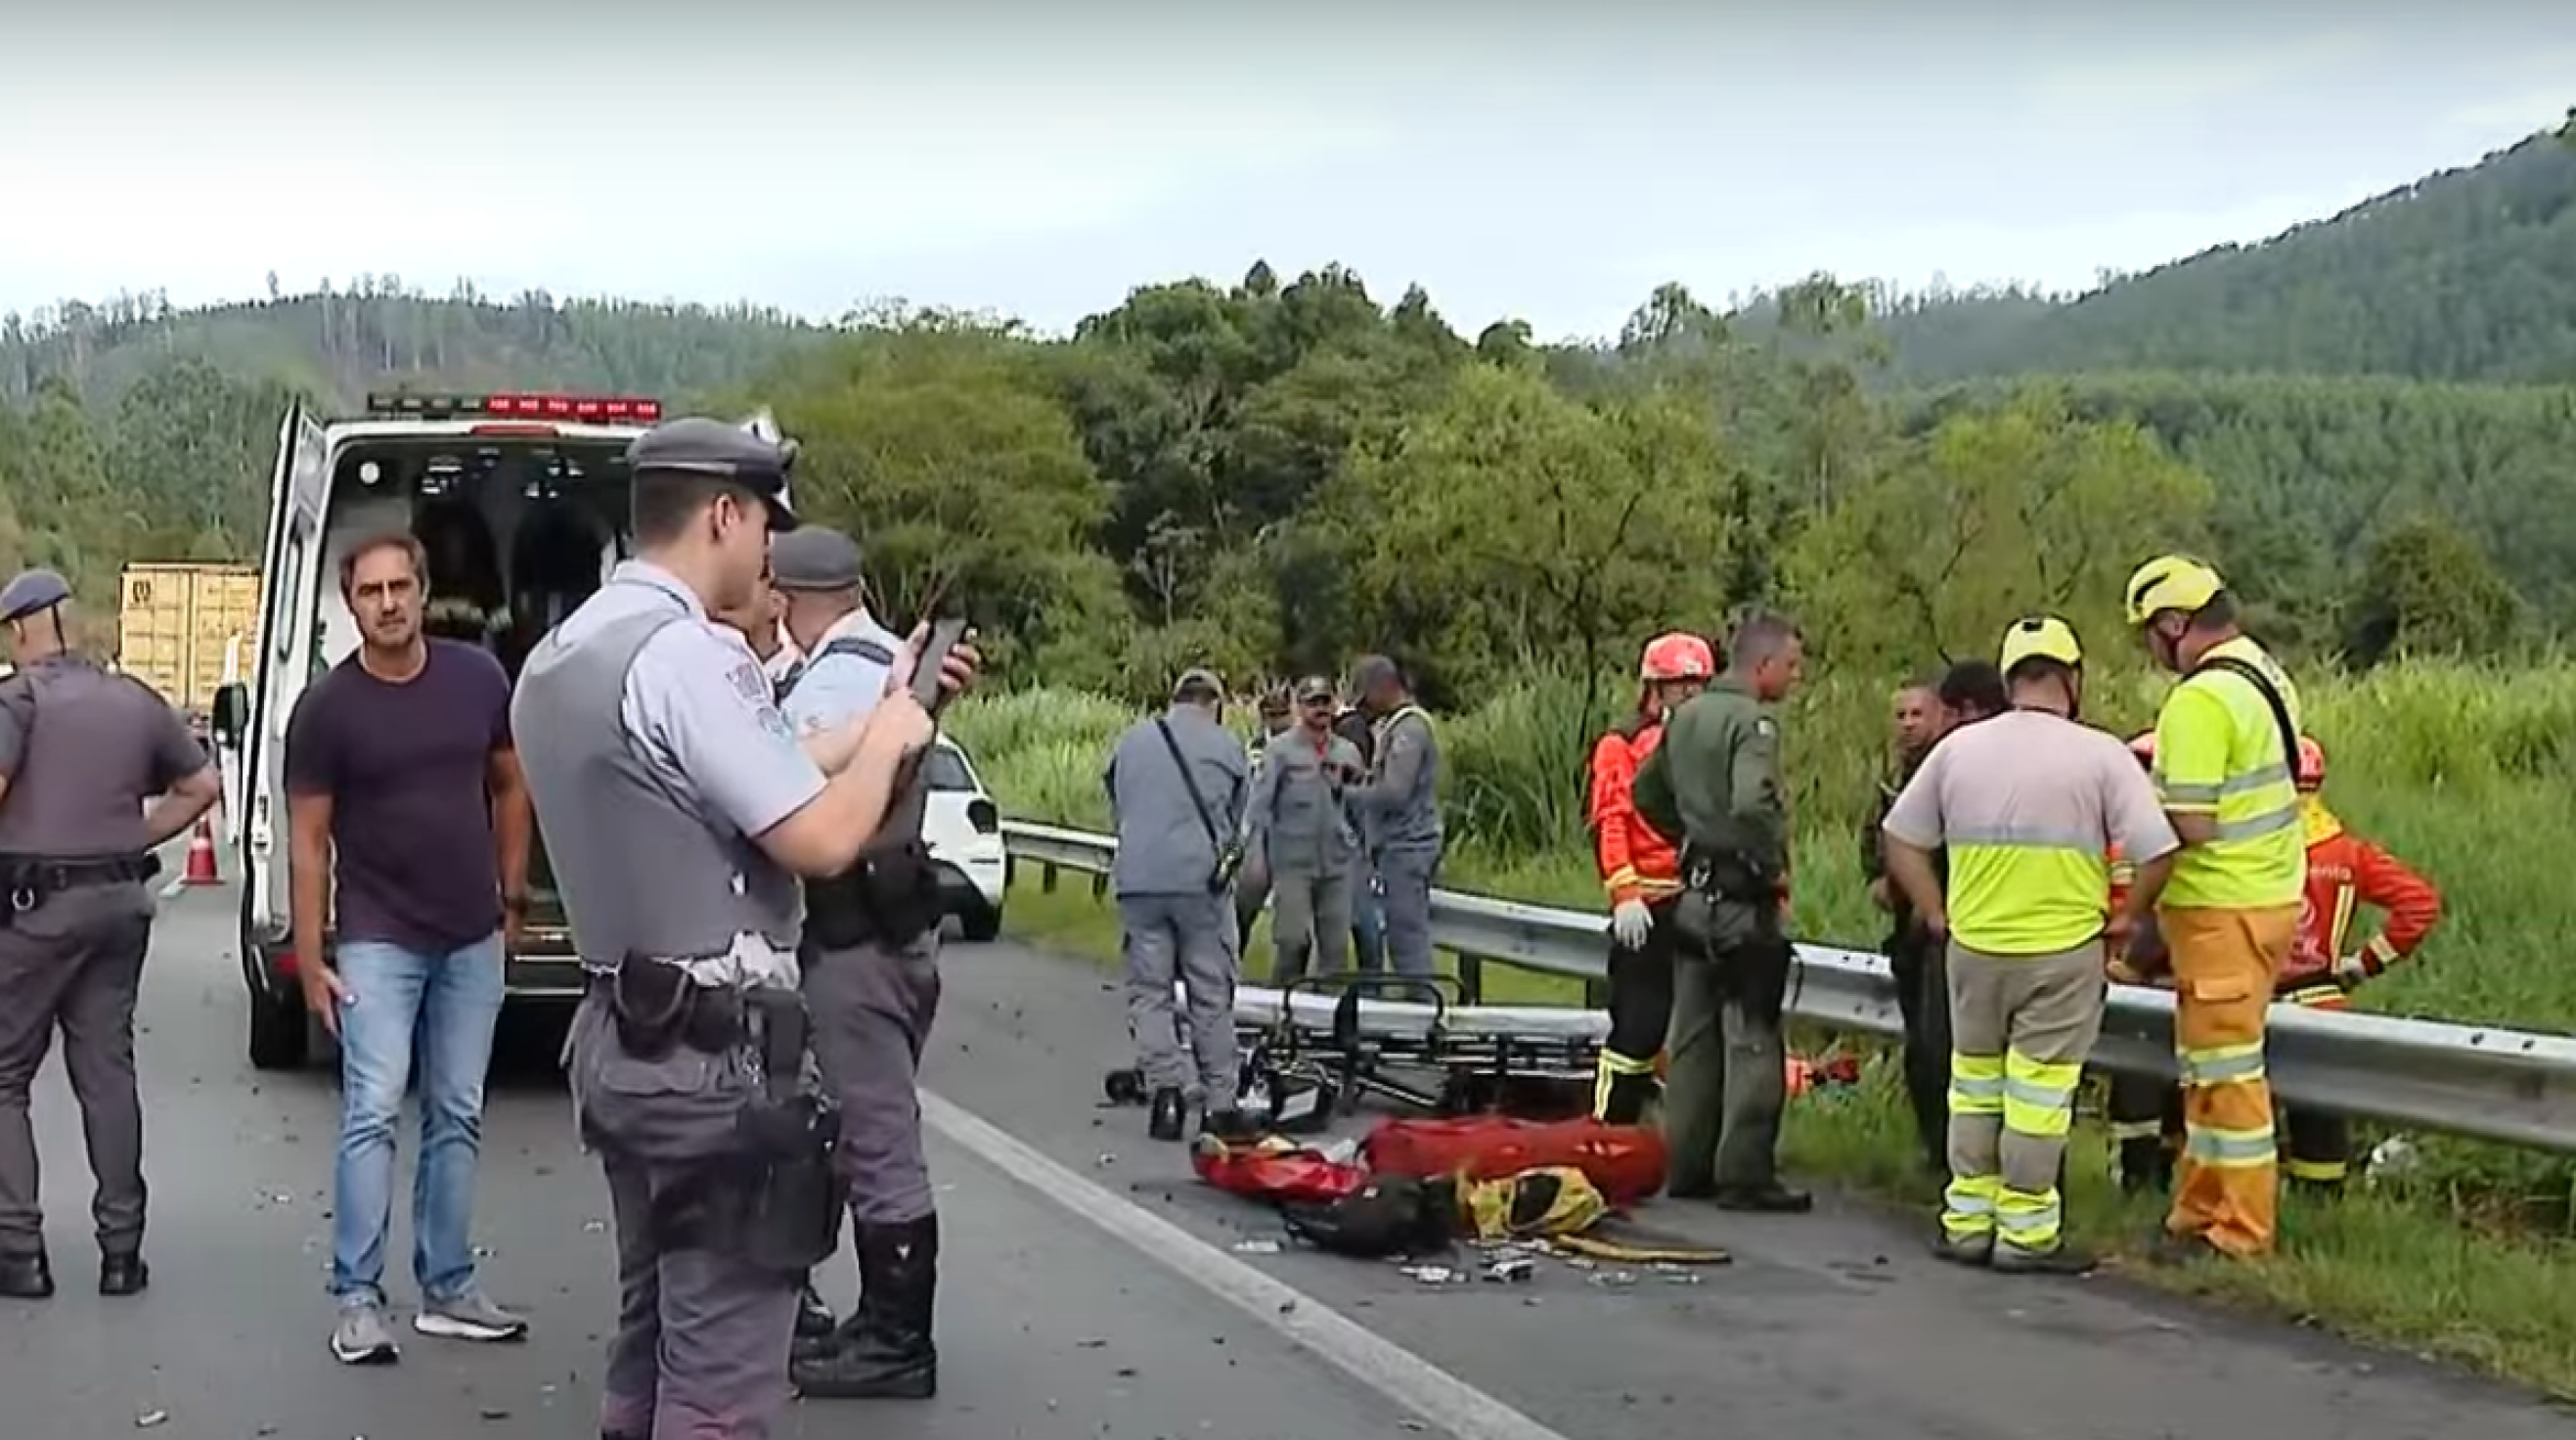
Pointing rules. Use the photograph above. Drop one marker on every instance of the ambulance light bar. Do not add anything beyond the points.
(574, 409)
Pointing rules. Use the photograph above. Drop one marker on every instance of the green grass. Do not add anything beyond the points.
(2468, 773)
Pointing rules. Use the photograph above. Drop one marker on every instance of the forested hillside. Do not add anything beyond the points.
(1270, 473)
(2465, 275)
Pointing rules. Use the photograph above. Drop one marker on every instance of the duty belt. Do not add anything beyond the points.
(657, 1006)
(31, 878)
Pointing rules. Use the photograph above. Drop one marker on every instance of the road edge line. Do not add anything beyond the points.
(1430, 1392)
(171, 890)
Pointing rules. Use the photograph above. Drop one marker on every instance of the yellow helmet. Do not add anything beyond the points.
(2041, 637)
(2170, 582)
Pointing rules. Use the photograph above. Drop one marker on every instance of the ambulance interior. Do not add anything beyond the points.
(519, 530)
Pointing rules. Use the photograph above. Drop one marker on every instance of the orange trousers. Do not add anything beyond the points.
(2228, 1185)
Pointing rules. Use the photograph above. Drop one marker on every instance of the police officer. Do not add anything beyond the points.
(1399, 810)
(1713, 787)
(872, 994)
(80, 751)
(677, 808)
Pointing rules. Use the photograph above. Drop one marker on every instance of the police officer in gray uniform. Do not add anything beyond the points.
(677, 809)
(1300, 825)
(80, 751)
(1177, 786)
(1399, 809)
(873, 991)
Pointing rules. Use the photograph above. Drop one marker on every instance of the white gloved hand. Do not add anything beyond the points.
(1629, 922)
(2350, 971)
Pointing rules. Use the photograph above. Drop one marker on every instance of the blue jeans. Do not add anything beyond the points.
(445, 1005)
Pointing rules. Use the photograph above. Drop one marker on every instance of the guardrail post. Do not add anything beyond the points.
(1596, 993)
(1471, 979)
(1100, 885)
(1046, 879)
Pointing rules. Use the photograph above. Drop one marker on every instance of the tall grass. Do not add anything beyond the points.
(2467, 773)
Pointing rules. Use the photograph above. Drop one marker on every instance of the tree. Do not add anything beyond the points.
(1510, 524)
(1988, 518)
(961, 477)
(2427, 589)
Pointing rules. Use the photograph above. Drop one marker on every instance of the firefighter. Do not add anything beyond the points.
(2027, 804)
(1642, 872)
(2227, 746)
(2344, 871)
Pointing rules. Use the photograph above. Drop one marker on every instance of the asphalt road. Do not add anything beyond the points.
(1056, 1324)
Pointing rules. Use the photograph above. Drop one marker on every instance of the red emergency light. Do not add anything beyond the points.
(550, 409)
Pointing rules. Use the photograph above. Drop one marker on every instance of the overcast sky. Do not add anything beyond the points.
(1553, 162)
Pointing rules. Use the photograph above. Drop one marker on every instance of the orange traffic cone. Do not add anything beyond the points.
(201, 855)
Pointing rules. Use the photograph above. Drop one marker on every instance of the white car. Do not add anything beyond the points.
(963, 828)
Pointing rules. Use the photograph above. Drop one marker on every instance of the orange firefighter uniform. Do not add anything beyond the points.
(1641, 870)
(2226, 751)
(2345, 872)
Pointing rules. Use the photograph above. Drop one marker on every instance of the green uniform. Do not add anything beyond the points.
(1714, 787)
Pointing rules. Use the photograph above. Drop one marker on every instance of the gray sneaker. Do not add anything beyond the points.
(470, 1316)
(363, 1338)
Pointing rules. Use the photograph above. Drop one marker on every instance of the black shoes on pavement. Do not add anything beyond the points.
(1169, 1117)
(31, 1277)
(124, 1274)
(884, 1351)
(26, 1277)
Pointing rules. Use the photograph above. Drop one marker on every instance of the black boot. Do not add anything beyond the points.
(888, 1353)
(123, 1273)
(26, 1277)
(1169, 1116)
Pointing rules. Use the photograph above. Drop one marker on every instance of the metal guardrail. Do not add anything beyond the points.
(2482, 1081)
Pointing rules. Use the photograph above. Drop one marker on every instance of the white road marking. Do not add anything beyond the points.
(1436, 1396)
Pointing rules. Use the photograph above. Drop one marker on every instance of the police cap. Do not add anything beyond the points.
(31, 591)
(717, 451)
(815, 557)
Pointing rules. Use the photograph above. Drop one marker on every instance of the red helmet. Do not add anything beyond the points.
(2312, 764)
(2143, 745)
(1678, 656)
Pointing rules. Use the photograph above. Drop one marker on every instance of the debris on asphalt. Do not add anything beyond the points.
(150, 1418)
(1434, 1274)
(1511, 1269)
(1256, 1247)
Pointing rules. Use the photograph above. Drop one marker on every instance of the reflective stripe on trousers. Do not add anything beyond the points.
(2022, 1026)
(2030, 1100)
(2227, 1189)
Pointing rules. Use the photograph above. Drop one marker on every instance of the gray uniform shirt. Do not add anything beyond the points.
(77, 780)
(1163, 839)
(843, 679)
(697, 702)
(1399, 806)
(1296, 812)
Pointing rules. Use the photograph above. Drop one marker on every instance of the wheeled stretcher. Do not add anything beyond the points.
(1312, 1049)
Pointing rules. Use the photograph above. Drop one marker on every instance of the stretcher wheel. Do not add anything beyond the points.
(1125, 1087)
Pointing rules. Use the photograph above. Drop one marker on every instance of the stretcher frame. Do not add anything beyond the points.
(1400, 1038)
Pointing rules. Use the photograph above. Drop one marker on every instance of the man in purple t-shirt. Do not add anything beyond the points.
(403, 797)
